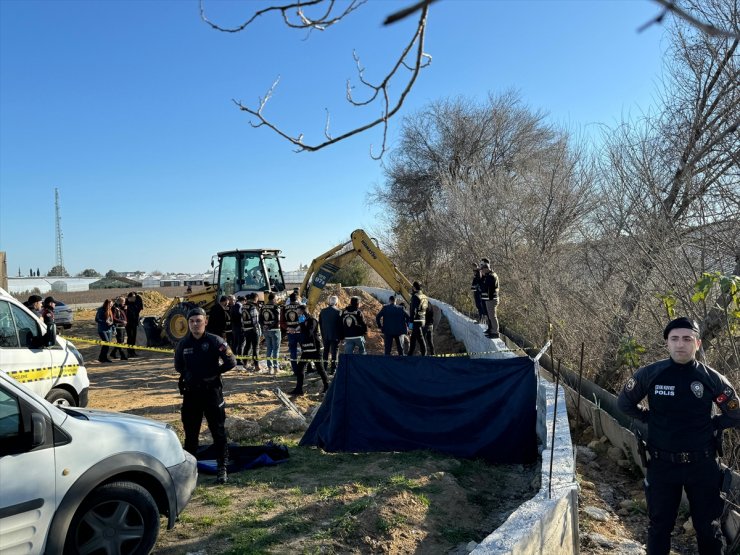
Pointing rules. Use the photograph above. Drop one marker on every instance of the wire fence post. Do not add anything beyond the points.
(554, 421)
(580, 377)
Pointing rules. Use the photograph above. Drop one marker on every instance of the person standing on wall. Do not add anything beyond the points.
(134, 306)
(489, 295)
(682, 437)
(417, 317)
(310, 350)
(392, 321)
(330, 324)
(200, 359)
(354, 328)
(251, 329)
(475, 287)
(119, 321)
(104, 322)
(270, 323)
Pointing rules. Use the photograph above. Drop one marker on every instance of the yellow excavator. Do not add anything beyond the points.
(325, 266)
(237, 272)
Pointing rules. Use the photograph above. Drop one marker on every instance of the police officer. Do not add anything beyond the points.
(200, 359)
(270, 323)
(310, 350)
(489, 295)
(417, 315)
(251, 329)
(292, 329)
(682, 437)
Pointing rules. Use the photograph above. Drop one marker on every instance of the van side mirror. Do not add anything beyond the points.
(38, 429)
(51, 335)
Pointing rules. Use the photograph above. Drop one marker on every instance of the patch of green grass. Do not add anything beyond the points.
(204, 521)
(262, 504)
(423, 499)
(327, 492)
(386, 525)
(216, 497)
(456, 535)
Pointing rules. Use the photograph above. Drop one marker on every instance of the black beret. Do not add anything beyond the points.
(680, 323)
(197, 311)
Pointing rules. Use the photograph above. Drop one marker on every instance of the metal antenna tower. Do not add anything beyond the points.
(60, 257)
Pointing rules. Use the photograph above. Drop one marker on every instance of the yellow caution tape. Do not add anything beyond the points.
(251, 358)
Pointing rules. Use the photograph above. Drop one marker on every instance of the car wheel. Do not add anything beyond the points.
(61, 397)
(115, 519)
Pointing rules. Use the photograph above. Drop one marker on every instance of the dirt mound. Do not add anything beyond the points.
(154, 303)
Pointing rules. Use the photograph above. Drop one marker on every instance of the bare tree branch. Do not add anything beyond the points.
(708, 28)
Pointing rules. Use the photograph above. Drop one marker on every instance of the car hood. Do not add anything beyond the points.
(121, 419)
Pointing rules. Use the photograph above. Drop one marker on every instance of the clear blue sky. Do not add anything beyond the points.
(126, 107)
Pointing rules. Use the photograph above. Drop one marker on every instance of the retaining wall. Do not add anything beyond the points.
(548, 523)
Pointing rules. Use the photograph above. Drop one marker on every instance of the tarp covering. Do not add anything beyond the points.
(469, 408)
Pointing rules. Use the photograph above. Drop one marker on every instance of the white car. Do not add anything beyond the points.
(85, 481)
(63, 315)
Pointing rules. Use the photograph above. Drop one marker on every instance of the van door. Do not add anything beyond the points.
(27, 476)
(22, 354)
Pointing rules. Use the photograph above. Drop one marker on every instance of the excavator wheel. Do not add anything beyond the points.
(176, 322)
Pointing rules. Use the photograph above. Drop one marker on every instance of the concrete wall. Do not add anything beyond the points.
(548, 523)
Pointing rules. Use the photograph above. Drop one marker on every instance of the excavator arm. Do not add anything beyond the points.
(323, 268)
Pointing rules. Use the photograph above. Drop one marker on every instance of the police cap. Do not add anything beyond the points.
(680, 323)
(197, 311)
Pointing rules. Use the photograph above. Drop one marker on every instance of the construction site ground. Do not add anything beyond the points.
(418, 502)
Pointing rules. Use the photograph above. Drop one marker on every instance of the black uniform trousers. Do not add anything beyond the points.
(702, 481)
(429, 338)
(315, 358)
(331, 346)
(208, 402)
(251, 344)
(417, 337)
(120, 336)
(389, 340)
(237, 338)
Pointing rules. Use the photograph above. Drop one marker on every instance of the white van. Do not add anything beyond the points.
(47, 364)
(77, 480)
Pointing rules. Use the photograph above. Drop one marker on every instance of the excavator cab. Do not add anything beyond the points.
(238, 272)
(252, 271)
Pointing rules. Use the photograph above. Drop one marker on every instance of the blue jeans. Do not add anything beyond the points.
(294, 340)
(351, 343)
(272, 346)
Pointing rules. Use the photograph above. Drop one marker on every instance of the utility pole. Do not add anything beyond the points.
(60, 257)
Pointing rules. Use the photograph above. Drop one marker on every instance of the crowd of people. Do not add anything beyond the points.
(119, 318)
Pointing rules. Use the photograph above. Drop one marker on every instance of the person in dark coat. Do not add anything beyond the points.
(310, 350)
(218, 317)
(200, 359)
(119, 321)
(104, 321)
(489, 294)
(47, 311)
(134, 306)
(330, 324)
(354, 328)
(237, 337)
(34, 303)
(392, 321)
(682, 437)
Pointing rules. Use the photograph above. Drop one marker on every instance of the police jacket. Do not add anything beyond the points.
(353, 323)
(330, 323)
(310, 339)
(475, 286)
(270, 316)
(429, 317)
(197, 360)
(392, 319)
(250, 318)
(489, 287)
(418, 308)
(680, 396)
(217, 320)
(290, 312)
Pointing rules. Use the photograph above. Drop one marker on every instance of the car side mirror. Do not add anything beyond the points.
(38, 429)
(51, 335)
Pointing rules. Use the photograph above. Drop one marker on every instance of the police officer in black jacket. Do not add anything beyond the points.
(310, 350)
(682, 437)
(200, 359)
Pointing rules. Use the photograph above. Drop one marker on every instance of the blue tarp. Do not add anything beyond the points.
(469, 408)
